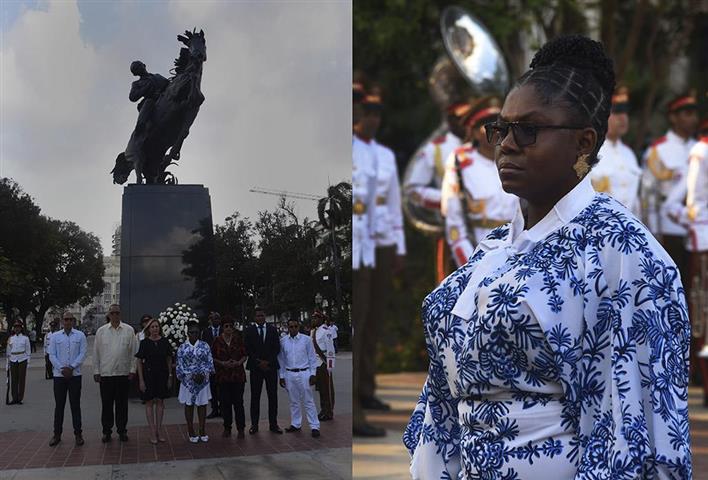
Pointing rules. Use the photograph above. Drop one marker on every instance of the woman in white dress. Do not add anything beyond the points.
(560, 349)
(194, 365)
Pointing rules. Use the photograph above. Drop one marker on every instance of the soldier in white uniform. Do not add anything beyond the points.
(481, 205)
(423, 179)
(364, 204)
(424, 182)
(617, 172)
(386, 229)
(693, 214)
(666, 163)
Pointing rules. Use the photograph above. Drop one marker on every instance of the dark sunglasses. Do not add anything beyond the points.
(524, 133)
(113, 313)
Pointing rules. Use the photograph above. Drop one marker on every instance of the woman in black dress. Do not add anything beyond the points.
(155, 376)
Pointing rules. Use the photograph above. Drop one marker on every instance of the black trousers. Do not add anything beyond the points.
(232, 397)
(270, 378)
(114, 393)
(18, 375)
(62, 386)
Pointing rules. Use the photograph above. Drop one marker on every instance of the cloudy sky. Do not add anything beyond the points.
(276, 114)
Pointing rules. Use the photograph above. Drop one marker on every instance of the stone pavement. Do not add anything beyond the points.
(25, 431)
(386, 458)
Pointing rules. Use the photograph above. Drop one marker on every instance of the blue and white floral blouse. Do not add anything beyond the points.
(558, 352)
(193, 360)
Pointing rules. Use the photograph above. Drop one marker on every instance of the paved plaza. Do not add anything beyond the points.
(386, 458)
(25, 431)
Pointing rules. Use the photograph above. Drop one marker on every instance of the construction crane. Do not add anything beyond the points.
(285, 193)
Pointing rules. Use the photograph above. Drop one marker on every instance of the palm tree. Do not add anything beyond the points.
(333, 211)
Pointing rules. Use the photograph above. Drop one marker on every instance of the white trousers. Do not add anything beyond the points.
(299, 390)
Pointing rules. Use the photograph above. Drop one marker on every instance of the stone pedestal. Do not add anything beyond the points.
(159, 224)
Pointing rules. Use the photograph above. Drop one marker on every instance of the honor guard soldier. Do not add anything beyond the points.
(423, 178)
(473, 201)
(424, 182)
(666, 164)
(618, 173)
(364, 182)
(687, 205)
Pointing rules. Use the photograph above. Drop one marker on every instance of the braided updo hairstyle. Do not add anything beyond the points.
(577, 72)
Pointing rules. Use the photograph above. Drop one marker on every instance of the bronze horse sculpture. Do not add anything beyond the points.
(170, 116)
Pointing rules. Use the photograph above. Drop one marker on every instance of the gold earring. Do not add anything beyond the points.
(582, 167)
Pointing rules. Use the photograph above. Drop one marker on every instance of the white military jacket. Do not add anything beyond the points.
(424, 181)
(487, 204)
(363, 178)
(666, 166)
(618, 174)
(688, 202)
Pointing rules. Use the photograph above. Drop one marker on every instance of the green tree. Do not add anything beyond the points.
(22, 241)
(287, 260)
(69, 270)
(235, 266)
(335, 214)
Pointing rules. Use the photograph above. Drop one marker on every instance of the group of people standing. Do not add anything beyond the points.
(210, 365)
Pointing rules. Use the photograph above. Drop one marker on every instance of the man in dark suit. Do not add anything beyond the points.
(262, 346)
(208, 335)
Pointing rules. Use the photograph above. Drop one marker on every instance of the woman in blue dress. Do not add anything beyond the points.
(560, 350)
(194, 365)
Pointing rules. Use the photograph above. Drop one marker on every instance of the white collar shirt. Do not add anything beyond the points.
(18, 348)
(520, 240)
(114, 350)
(67, 350)
(296, 353)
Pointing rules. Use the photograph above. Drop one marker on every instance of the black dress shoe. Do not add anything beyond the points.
(253, 429)
(368, 430)
(226, 433)
(292, 428)
(315, 433)
(54, 441)
(373, 403)
(79, 440)
(276, 429)
(213, 414)
(123, 437)
(106, 438)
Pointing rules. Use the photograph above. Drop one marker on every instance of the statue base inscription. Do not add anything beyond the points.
(159, 223)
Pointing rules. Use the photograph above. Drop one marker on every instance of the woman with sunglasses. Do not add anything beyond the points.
(559, 350)
(473, 201)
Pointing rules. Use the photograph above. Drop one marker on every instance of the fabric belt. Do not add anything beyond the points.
(381, 200)
(488, 223)
(296, 369)
(510, 396)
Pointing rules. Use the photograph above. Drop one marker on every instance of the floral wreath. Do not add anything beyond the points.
(174, 323)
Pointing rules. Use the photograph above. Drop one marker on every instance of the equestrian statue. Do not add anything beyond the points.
(167, 110)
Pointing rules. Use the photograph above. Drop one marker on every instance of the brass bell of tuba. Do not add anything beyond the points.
(473, 66)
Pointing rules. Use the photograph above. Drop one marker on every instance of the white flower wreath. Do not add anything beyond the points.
(174, 323)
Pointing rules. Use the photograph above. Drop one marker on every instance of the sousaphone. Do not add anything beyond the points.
(473, 66)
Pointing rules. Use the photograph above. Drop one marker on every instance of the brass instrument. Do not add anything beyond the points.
(473, 66)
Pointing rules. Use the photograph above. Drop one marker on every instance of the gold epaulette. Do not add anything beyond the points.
(601, 184)
(657, 168)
